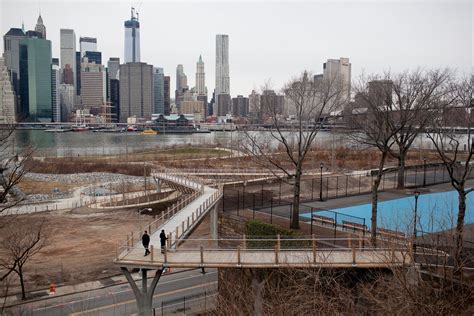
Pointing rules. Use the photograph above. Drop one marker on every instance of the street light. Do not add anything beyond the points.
(321, 182)
(417, 194)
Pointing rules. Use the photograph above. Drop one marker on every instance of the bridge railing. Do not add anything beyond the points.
(181, 230)
(274, 251)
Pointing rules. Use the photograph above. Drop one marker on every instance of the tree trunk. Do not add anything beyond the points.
(401, 170)
(375, 196)
(295, 219)
(460, 229)
(22, 282)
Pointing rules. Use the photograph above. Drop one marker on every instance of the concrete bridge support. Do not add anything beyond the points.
(214, 221)
(144, 296)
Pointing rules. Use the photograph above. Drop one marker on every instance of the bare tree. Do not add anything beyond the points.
(415, 95)
(456, 150)
(312, 102)
(375, 128)
(20, 243)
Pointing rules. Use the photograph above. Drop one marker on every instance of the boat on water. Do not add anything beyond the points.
(149, 132)
(80, 128)
(58, 130)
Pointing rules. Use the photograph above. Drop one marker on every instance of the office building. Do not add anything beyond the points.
(159, 90)
(78, 73)
(93, 87)
(114, 94)
(55, 99)
(87, 44)
(68, 55)
(132, 39)
(94, 57)
(40, 28)
(194, 107)
(7, 96)
(200, 78)
(271, 104)
(181, 84)
(113, 66)
(66, 100)
(240, 106)
(136, 91)
(11, 45)
(166, 95)
(35, 80)
(337, 72)
(222, 69)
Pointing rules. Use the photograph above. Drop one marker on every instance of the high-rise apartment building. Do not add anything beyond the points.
(224, 104)
(166, 95)
(159, 91)
(271, 103)
(11, 45)
(337, 72)
(132, 39)
(93, 86)
(87, 44)
(200, 78)
(222, 70)
(136, 91)
(35, 80)
(240, 106)
(40, 28)
(55, 99)
(7, 96)
(68, 55)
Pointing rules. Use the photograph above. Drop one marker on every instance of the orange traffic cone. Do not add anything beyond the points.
(52, 289)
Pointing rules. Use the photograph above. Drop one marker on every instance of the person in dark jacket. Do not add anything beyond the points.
(163, 239)
(146, 242)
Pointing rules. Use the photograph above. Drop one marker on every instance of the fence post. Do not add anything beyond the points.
(276, 254)
(271, 210)
(353, 255)
(243, 241)
(202, 255)
(151, 253)
(238, 255)
(313, 240)
(312, 189)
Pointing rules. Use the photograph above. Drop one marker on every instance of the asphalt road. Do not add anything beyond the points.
(172, 291)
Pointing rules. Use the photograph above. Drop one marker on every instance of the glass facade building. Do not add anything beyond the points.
(159, 90)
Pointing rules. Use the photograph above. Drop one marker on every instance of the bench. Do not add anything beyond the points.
(353, 226)
(388, 233)
(324, 219)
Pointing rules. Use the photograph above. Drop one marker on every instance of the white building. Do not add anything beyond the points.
(222, 68)
(7, 96)
(200, 78)
(132, 39)
(68, 51)
(87, 44)
(339, 71)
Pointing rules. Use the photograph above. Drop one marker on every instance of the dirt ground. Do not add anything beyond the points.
(30, 186)
(81, 246)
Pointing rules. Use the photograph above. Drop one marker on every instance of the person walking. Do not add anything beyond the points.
(163, 239)
(146, 242)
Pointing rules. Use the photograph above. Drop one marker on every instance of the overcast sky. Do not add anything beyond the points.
(268, 40)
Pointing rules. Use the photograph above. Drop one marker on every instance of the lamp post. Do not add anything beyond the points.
(321, 181)
(417, 194)
(424, 172)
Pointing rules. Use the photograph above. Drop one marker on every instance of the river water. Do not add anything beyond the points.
(98, 143)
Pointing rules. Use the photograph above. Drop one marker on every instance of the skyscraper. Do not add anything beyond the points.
(113, 66)
(222, 74)
(132, 38)
(87, 44)
(94, 57)
(55, 99)
(40, 28)
(35, 79)
(159, 90)
(11, 45)
(66, 100)
(181, 84)
(200, 78)
(166, 94)
(240, 106)
(136, 90)
(68, 55)
(93, 86)
(78, 73)
(338, 73)
(7, 96)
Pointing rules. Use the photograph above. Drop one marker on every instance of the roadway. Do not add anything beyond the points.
(120, 300)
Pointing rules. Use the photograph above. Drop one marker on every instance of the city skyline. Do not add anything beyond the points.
(263, 50)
